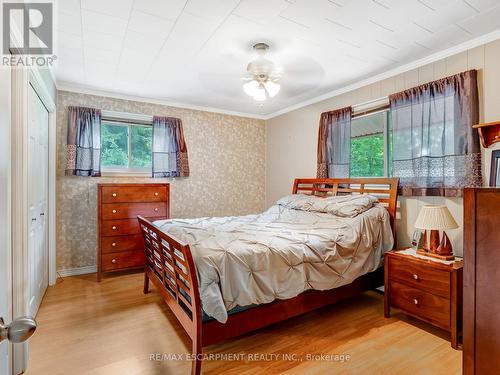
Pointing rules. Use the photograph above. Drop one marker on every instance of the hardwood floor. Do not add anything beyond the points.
(110, 327)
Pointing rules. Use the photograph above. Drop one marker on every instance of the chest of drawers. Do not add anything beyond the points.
(119, 242)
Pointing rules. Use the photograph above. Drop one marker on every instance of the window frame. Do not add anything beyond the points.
(384, 108)
(126, 120)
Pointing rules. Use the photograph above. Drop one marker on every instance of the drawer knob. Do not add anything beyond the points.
(113, 227)
(114, 194)
(113, 260)
(114, 211)
(113, 244)
(415, 276)
(415, 301)
(156, 209)
(156, 194)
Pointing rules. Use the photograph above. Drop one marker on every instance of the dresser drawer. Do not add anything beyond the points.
(122, 243)
(426, 306)
(120, 227)
(119, 194)
(124, 259)
(111, 211)
(420, 276)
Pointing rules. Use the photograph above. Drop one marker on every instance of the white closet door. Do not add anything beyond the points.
(38, 128)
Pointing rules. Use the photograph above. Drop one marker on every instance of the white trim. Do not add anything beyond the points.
(476, 42)
(126, 116)
(19, 167)
(77, 271)
(125, 173)
(74, 87)
(35, 79)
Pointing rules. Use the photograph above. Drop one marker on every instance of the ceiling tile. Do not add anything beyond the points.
(147, 24)
(104, 41)
(197, 51)
(102, 23)
(68, 6)
(143, 43)
(483, 22)
(69, 24)
(165, 9)
(262, 11)
(115, 8)
(211, 10)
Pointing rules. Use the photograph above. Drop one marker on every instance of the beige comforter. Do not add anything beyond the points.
(292, 247)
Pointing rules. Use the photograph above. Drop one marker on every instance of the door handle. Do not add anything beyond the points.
(19, 330)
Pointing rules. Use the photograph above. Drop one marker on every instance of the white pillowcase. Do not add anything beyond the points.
(341, 205)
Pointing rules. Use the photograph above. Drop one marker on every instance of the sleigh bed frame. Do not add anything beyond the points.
(170, 267)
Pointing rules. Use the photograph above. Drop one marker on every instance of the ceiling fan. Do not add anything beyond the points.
(262, 80)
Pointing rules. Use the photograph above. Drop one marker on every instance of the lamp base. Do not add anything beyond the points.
(436, 249)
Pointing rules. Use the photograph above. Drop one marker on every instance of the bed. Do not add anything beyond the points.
(256, 270)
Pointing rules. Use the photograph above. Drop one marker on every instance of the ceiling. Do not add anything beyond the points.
(195, 52)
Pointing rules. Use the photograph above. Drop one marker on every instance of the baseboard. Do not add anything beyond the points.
(77, 271)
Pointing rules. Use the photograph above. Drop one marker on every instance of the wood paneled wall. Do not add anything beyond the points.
(292, 137)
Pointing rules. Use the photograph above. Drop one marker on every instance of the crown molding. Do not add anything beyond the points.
(67, 86)
(476, 42)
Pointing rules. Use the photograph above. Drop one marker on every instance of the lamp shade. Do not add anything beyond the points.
(437, 217)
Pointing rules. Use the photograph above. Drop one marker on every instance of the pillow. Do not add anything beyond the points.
(341, 205)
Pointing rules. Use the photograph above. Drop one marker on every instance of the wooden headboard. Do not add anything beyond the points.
(385, 189)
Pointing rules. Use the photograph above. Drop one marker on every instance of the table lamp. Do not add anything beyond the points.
(433, 218)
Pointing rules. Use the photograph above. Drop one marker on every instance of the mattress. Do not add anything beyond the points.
(288, 249)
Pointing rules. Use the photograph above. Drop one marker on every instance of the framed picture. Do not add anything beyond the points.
(495, 169)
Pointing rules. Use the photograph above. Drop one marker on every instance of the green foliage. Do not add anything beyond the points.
(114, 146)
(141, 146)
(367, 156)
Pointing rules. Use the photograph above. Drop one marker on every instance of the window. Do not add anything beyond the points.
(125, 147)
(369, 145)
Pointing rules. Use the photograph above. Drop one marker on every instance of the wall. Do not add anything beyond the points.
(292, 137)
(227, 166)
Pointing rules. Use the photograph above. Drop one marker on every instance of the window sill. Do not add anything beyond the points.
(125, 173)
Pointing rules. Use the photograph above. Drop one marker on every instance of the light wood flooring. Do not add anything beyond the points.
(110, 327)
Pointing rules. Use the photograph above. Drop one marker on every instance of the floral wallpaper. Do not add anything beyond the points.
(227, 173)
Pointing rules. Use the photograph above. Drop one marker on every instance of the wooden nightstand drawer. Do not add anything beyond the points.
(420, 276)
(424, 305)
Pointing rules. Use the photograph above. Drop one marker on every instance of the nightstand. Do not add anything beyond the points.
(425, 289)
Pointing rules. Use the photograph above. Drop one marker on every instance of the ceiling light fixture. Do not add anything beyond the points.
(262, 81)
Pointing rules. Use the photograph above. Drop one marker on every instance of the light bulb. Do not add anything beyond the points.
(251, 87)
(260, 94)
(272, 88)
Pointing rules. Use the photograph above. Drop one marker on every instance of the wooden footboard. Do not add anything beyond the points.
(170, 267)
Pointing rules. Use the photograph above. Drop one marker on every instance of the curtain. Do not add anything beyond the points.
(83, 150)
(435, 149)
(170, 157)
(334, 143)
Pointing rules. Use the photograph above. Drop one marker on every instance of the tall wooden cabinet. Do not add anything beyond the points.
(481, 325)
(119, 244)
